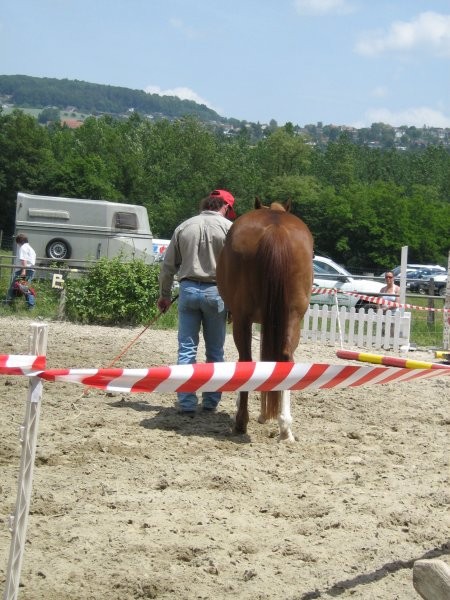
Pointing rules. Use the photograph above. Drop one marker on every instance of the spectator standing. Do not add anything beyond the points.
(391, 290)
(192, 254)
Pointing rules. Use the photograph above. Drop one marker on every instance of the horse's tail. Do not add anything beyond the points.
(274, 259)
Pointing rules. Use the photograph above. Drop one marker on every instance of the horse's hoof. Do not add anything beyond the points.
(287, 438)
(261, 420)
(239, 430)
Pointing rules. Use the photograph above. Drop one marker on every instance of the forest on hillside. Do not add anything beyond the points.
(55, 99)
(361, 204)
(40, 92)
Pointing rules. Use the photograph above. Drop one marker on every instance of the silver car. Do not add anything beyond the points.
(328, 274)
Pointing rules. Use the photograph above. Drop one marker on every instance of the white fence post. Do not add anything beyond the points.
(28, 432)
(431, 579)
(446, 332)
(356, 327)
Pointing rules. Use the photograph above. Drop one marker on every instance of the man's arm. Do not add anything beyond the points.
(169, 268)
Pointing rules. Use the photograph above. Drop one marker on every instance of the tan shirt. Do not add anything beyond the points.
(193, 250)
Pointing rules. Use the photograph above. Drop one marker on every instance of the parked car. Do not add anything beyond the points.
(418, 281)
(328, 274)
(414, 282)
(440, 285)
(415, 267)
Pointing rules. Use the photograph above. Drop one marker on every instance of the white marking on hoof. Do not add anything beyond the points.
(287, 438)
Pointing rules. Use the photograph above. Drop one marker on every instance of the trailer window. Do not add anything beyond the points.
(125, 220)
(49, 214)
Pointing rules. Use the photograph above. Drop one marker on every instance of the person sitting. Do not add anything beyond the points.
(25, 261)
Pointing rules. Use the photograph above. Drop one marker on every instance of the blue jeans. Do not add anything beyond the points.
(29, 298)
(200, 306)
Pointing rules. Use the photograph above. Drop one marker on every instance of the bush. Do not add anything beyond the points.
(114, 293)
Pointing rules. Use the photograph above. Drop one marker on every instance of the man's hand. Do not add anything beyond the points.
(163, 304)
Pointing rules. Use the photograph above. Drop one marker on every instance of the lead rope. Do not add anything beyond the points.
(133, 341)
(128, 346)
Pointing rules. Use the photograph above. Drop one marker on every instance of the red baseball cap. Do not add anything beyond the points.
(226, 197)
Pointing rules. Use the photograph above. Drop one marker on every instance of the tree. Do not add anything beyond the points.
(25, 162)
(337, 165)
(305, 193)
(283, 153)
(48, 115)
(180, 164)
(83, 177)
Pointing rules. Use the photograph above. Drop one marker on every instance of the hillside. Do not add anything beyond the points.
(23, 91)
(78, 99)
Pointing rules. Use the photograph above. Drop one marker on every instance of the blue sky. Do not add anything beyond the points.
(343, 62)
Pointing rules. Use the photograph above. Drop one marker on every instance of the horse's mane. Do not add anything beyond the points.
(276, 205)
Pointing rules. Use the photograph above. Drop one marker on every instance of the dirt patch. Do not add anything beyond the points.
(131, 500)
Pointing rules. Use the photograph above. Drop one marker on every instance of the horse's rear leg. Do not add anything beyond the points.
(241, 418)
(285, 418)
(242, 334)
(262, 418)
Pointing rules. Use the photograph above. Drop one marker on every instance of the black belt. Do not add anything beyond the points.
(197, 280)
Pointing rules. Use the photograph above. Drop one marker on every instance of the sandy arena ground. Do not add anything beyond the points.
(131, 500)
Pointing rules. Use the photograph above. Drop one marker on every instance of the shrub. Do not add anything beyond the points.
(114, 292)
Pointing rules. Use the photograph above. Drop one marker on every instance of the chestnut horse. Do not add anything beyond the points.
(265, 275)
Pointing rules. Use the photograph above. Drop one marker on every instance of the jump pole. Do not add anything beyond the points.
(28, 439)
(389, 361)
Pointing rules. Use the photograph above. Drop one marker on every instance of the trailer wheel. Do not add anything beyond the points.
(58, 249)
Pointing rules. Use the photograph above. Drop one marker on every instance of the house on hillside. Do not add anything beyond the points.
(71, 123)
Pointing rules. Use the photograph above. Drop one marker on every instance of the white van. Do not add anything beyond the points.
(83, 230)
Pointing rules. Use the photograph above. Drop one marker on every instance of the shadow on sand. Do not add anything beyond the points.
(217, 425)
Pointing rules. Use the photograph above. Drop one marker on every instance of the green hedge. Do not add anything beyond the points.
(114, 293)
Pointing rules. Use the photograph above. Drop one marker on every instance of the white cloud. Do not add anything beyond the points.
(183, 93)
(380, 91)
(322, 7)
(186, 30)
(428, 30)
(417, 117)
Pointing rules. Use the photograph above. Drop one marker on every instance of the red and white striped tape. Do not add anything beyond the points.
(376, 300)
(20, 364)
(235, 377)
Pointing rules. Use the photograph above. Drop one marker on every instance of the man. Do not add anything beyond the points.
(25, 261)
(192, 253)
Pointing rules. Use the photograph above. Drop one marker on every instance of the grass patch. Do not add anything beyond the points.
(427, 327)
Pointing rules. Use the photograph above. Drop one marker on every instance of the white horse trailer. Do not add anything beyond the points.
(83, 230)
